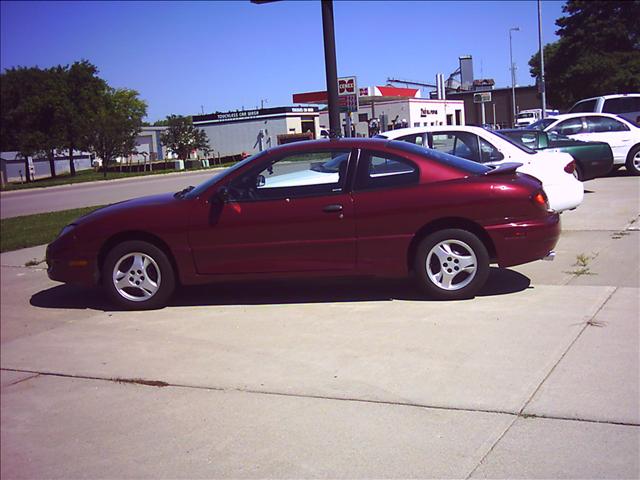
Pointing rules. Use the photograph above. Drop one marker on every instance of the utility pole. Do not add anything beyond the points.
(331, 68)
(513, 75)
(543, 86)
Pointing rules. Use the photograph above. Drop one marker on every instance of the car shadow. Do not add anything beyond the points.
(500, 282)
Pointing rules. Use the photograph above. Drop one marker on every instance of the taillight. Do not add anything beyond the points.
(540, 198)
(570, 167)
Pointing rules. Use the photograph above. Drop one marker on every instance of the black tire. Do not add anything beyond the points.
(578, 173)
(633, 161)
(464, 245)
(155, 281)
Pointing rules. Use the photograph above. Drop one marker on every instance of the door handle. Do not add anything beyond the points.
(332, 208)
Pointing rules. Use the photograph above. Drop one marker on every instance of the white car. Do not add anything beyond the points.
(626, 105)
(622, 136)
(553, 169)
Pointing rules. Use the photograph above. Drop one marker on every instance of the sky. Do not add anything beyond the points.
(188, 57)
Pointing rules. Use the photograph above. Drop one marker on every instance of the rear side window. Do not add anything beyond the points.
(621, 105)
(381, 170)
(458, 163)
(605, 124)
(584, 106)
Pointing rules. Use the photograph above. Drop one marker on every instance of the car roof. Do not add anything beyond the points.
(564, 116)
(401, 132)
(606, 97)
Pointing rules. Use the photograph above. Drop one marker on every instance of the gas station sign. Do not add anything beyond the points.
(348, 94)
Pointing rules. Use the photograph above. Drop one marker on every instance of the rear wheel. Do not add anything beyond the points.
(138, 275)
(577, 172)
(633, 161)
(451, 264)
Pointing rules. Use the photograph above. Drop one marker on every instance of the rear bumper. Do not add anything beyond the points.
(566, 195)
(524, 242)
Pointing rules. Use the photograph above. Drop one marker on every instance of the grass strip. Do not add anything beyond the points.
(31, 230)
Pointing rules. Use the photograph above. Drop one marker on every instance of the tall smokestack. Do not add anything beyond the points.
(466, 72)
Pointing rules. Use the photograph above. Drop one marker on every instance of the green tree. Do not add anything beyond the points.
(31, 103)
(118, 121)
(598, 52)
(83, 90)
(182, 136)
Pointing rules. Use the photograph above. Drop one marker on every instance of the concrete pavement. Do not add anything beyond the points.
(537, 377)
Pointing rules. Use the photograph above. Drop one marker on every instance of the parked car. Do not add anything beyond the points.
(393, 209)
(593, 159)
(626, 105)
(622, 135)
(554, 170)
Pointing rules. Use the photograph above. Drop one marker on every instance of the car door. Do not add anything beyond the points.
(290, 214)
(385, 198)
(611, 131)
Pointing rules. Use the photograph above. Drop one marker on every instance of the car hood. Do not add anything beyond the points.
(126, 205)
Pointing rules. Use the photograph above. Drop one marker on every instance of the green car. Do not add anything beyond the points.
(593, 159)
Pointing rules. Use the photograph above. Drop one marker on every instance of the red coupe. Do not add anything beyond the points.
(316, 208)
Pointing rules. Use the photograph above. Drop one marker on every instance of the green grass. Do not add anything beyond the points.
(93, 176)
(38, 229)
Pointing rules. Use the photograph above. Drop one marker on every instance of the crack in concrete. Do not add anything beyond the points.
(160, 383)
(520, 413)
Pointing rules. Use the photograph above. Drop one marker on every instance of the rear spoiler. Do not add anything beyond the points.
(503, 169)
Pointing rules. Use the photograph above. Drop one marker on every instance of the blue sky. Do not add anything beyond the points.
(182, 56)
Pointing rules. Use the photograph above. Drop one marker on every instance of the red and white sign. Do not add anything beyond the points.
(348, 94)
(347, 86)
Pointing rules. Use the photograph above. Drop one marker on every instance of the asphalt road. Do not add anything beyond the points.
(537, 377)
(26, 202)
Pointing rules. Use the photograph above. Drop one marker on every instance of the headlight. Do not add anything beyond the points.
(67, 229)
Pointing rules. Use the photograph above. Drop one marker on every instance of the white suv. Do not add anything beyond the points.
(626, 105)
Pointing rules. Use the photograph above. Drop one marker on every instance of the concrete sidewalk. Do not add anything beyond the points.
(537, 377)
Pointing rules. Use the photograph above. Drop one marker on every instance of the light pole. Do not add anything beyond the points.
(513, 74)
(543, 87)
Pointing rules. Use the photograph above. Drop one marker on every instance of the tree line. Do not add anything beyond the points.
(598, 52)
(67, 108)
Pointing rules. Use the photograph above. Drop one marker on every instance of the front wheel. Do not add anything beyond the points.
(633, 161)
(451, 264)
(138, 275)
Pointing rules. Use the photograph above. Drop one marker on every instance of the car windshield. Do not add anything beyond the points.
(513, 142)
(200, 189)
(441, 157)
(540, 124)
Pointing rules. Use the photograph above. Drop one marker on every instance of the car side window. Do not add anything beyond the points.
(489, 153)
(416, 139)
(381, 170)
(460, 144)
(296, 175)
(605, 124)
(571, 126)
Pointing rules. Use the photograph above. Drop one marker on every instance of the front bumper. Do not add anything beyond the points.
(71, 266)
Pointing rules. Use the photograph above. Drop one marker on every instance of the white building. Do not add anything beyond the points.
(251, 131)
(383, 108)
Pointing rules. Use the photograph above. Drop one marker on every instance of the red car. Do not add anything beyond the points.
(316, 208)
